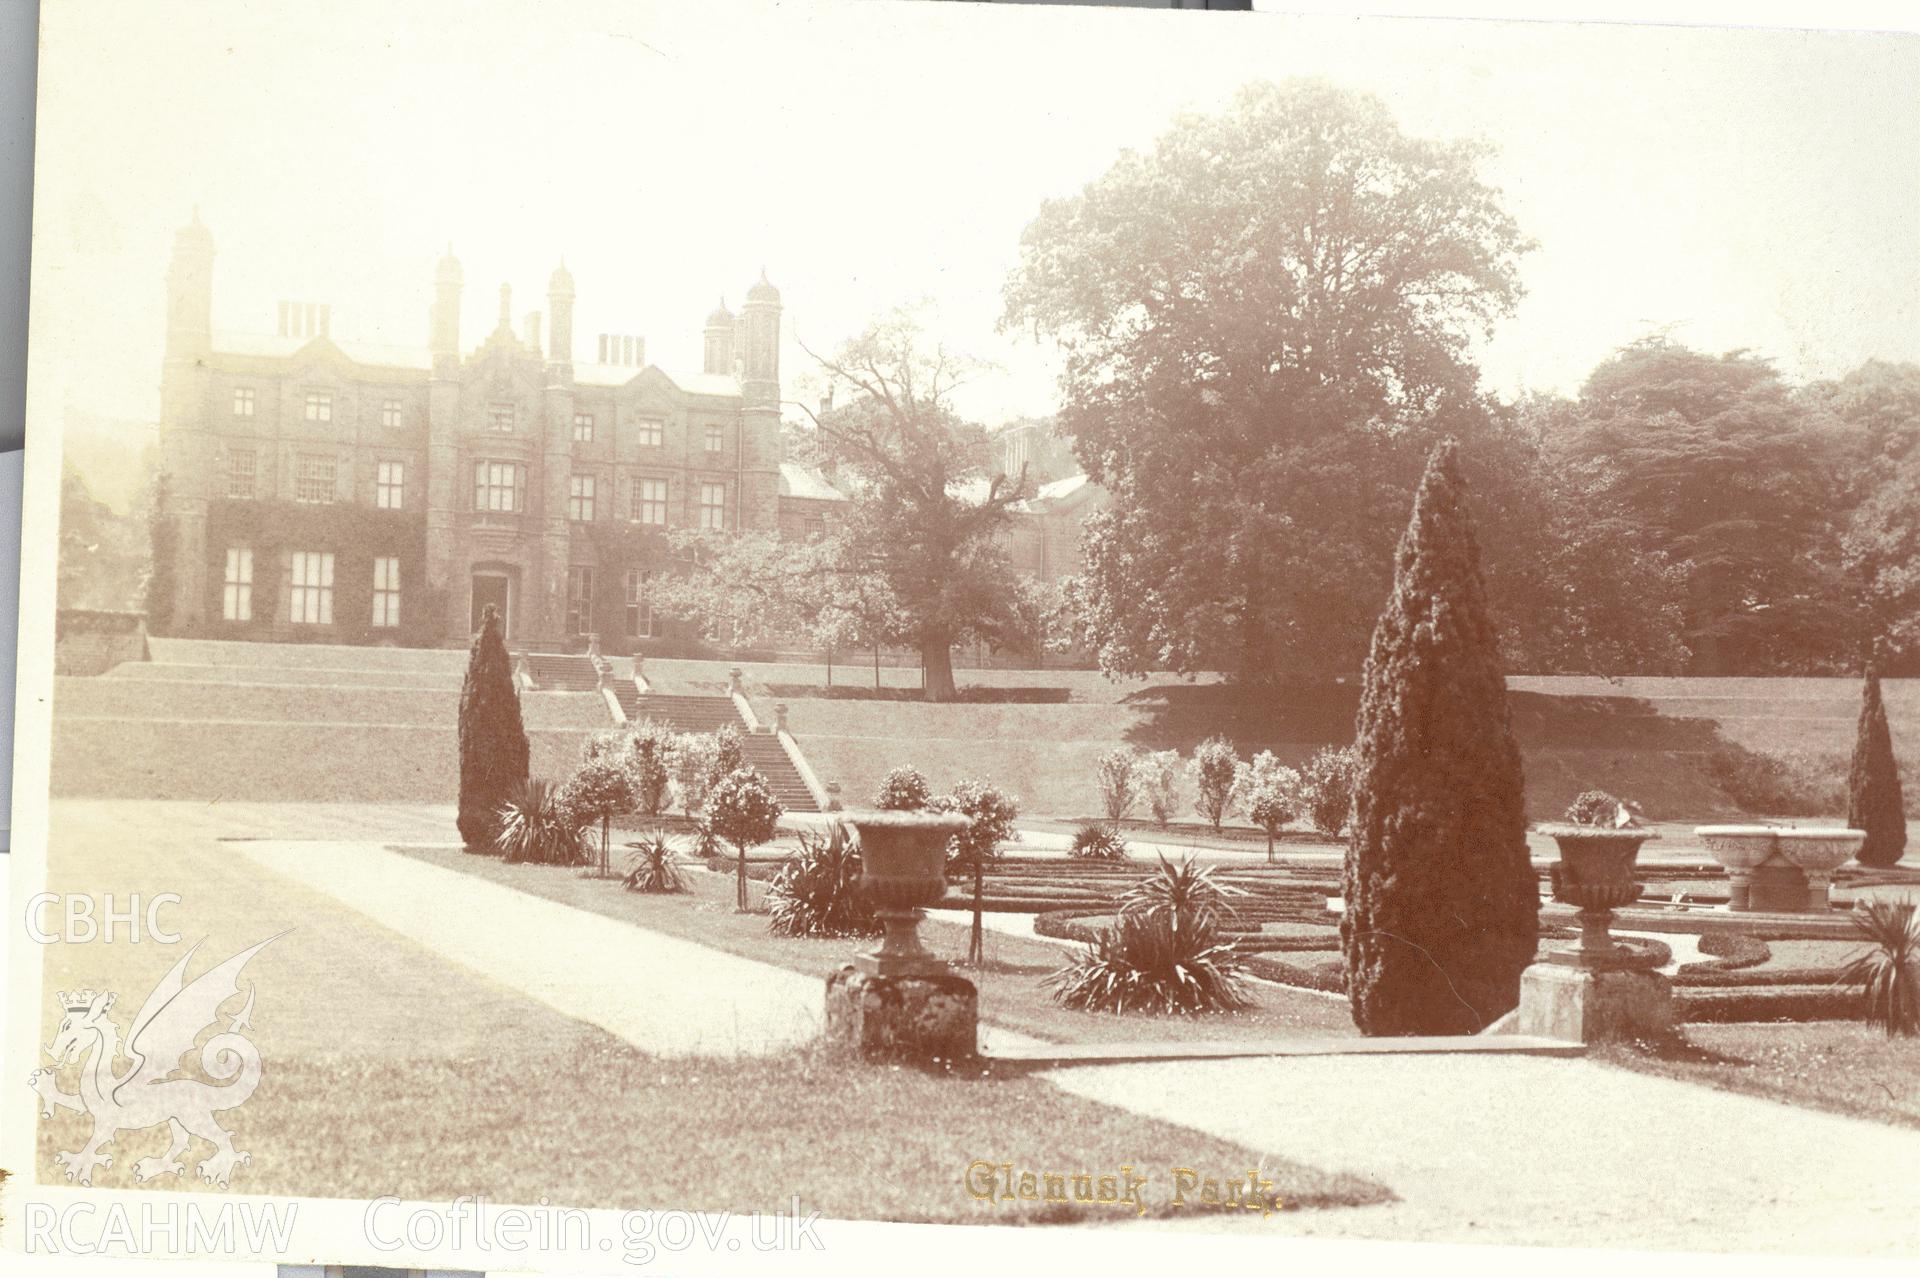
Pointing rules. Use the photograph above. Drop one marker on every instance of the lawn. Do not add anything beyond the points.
(1844, 1066)
(390, 1070)
(587, 1121)
(1012, 993)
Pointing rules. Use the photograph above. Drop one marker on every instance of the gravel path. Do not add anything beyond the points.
(1539, 1151)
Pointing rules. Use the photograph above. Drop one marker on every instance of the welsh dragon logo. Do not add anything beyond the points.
(151, 1091)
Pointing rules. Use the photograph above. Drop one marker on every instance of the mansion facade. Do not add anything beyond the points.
(328, 491)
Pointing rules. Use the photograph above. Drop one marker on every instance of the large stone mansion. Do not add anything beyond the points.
(321, 490)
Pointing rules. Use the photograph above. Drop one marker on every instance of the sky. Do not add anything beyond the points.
(1752, 189)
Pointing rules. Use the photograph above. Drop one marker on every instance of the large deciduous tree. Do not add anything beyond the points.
(1442, 907)
(493, 742)
(1265, 322)
(925, 508)
(1736, 477)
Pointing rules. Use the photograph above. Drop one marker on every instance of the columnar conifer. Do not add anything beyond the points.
(1442, 908)
(493, 744)
(1874, 801)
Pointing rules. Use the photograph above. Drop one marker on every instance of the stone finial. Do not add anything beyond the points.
(593, 645)
(734, 686)
(780, 717)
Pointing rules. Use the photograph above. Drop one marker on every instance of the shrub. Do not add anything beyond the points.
(1442, 906)
(1889, 974)
(692, 761)
(706, 844)
(1212, 770)
(1597, 807)
(600, 789)
(1118, 777)
(650, 751)
(742, 810)
(1794, 784)
(493, 743)
(1873, 783)
(1159, 783)
(1326, 783)
(1268, 793)
(903, 790)
(1098, 842)
(990, 814)
(817, 892)
(729, 754)
(535, 826)
(653, 868)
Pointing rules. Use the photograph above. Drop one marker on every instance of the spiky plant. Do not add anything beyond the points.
(1098, 843)
(1889, 973)
(817, 892)
(1142, 963)
(536, 826)
(1187, 895)
(652, 867)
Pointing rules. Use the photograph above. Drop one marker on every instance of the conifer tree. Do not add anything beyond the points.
(493, 744)
(1442, 907)
(1874, 801)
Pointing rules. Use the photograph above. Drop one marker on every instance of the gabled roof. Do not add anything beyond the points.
(807, 481)
(622, 374)
(371, 354)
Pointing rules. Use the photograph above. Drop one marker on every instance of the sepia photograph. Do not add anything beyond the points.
(653, 626)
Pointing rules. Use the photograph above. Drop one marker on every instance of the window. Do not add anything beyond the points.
(715, 439)
(713, 505)
(579, 600)
(242, 465)
(652, 432)
(639, 607)
(496, 486)
(580, 498)
(313, 478)
(310, 602)
(500, 418)
(650, 501)
(389, 486)
(386, 590)
(243, 401)
(583, 428)
(390, 412)
(319, 406)
(236, 604)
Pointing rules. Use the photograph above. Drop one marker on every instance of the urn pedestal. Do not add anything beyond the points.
(1598, 988)
(898, 1000)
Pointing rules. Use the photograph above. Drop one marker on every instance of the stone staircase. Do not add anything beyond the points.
(555, 672)
(763, 750)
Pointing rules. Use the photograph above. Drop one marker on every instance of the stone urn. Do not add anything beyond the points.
(903, 868)
(1595, 875)
(1741, 850)
(1817, 853)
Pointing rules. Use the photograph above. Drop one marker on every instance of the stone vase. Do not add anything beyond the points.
(903, 868)
(1741, 850)
(1595, 875)
(1817, 854)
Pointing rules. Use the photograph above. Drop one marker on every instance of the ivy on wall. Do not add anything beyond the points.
(356, 535)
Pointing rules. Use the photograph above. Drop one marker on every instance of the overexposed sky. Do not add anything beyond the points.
(1746, 188)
